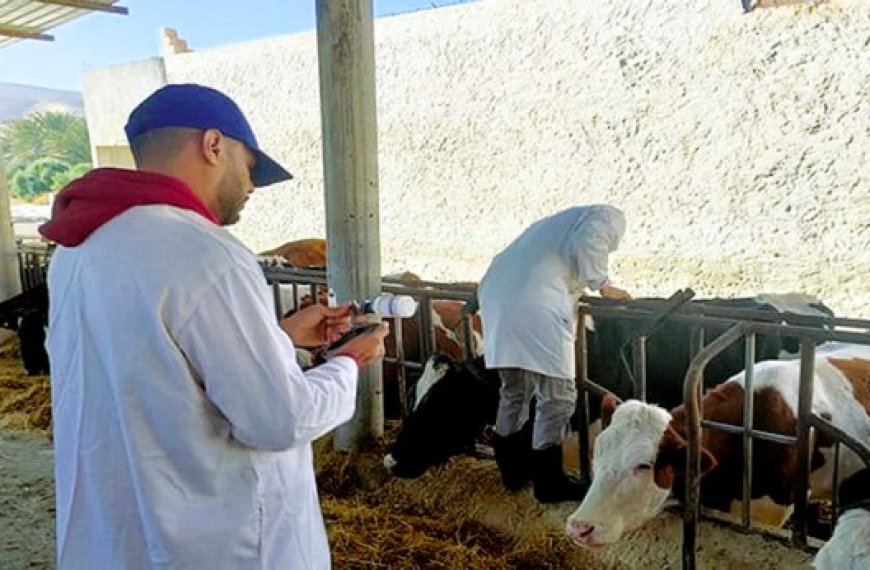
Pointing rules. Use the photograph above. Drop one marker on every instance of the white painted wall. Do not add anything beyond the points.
(10, 281)
(110, 93)
(738, 145)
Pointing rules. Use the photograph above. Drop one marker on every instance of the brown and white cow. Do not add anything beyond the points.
(639, 459)
(310, 252)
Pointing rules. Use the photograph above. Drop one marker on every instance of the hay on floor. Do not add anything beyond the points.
(25, 401)
(455, 516)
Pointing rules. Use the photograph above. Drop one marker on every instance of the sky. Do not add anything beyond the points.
(100, 39)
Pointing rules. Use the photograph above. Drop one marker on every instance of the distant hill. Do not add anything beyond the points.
(16, 101)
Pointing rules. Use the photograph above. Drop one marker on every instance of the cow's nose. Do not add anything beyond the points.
(579, 530)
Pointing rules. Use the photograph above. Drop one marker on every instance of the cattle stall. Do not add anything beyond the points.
(424, 292)
(33, 259)
(738, 325)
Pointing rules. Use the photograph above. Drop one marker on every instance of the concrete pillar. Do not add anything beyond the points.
(10, 281)
(345, 47)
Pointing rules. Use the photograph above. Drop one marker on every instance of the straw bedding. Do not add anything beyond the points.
(454, 516)
(25, 401)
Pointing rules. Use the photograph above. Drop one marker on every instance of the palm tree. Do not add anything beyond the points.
(54, 135)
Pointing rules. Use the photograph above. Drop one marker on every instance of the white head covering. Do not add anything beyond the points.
(596, 234)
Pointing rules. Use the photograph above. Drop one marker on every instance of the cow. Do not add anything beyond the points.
(309, 252)
(667, 361)
(468, 390)
(639, 458)
(849, 547)
(27, 314)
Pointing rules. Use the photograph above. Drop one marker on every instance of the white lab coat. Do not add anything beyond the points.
(182, 422)
(529, 294)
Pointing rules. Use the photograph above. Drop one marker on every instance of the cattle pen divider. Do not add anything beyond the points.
(33, 258)
(424, 292)
(741, 323)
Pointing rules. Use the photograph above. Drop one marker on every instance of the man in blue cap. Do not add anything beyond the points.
(182, 421)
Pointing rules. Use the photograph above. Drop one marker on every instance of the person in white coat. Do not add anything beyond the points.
(182, 422)
(528, 304)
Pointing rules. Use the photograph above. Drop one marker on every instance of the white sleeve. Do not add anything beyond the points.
(247, 364)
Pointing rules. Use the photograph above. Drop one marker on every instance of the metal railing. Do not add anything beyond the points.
(425, 292)
(742, 324)
(33, 259)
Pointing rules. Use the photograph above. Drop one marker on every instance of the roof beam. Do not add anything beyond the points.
(87, 5)
(26, 33)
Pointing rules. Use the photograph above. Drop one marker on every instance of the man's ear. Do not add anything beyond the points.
(211, 145)
(608, 406)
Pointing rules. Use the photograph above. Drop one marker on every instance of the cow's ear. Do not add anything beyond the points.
(608, 406)
(708, 462)
(673, 449)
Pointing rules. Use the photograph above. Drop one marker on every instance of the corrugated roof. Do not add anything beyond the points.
(31, 19)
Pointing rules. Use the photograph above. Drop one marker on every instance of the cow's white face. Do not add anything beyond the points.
(434, 370)
(624, 494)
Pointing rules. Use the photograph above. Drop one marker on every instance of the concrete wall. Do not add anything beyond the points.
(110, 94)
(738, 145)
(10, 281)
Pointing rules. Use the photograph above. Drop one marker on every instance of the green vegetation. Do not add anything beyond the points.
(43, 152)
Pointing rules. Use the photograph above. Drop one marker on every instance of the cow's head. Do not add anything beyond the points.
(453, 403)
(636, 459)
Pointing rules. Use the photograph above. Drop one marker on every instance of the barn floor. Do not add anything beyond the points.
(455, 516)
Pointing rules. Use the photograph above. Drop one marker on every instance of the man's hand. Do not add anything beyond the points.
(366, 347)
(611, 292)
(317, 325)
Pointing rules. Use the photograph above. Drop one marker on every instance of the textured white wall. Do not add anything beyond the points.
(110, 93)
(738, 145)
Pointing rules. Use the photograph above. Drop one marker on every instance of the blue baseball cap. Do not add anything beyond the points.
(199, 107)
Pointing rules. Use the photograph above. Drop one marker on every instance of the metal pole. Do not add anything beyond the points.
(835, 484)
(692, 401)
(639, 357)
(580, 356)
(401, 372)
(345, 49)
(748, 403)
(427, 334)
(276, 294)
(805, 406)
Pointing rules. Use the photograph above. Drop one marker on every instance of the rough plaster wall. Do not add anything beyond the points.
(738, 145)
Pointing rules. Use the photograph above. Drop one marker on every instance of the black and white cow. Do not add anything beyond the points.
(27, 314)
(452, 404)
(447, 423)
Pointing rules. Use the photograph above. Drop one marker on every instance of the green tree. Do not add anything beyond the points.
(37, 178)
(54, 135)
(63, 178)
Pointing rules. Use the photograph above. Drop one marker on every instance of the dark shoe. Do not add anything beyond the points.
(512, 455)
(552, 484)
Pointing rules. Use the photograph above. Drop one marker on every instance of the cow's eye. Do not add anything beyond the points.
(643, 467)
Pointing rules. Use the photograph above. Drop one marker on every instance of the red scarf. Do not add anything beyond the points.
(100, 195)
